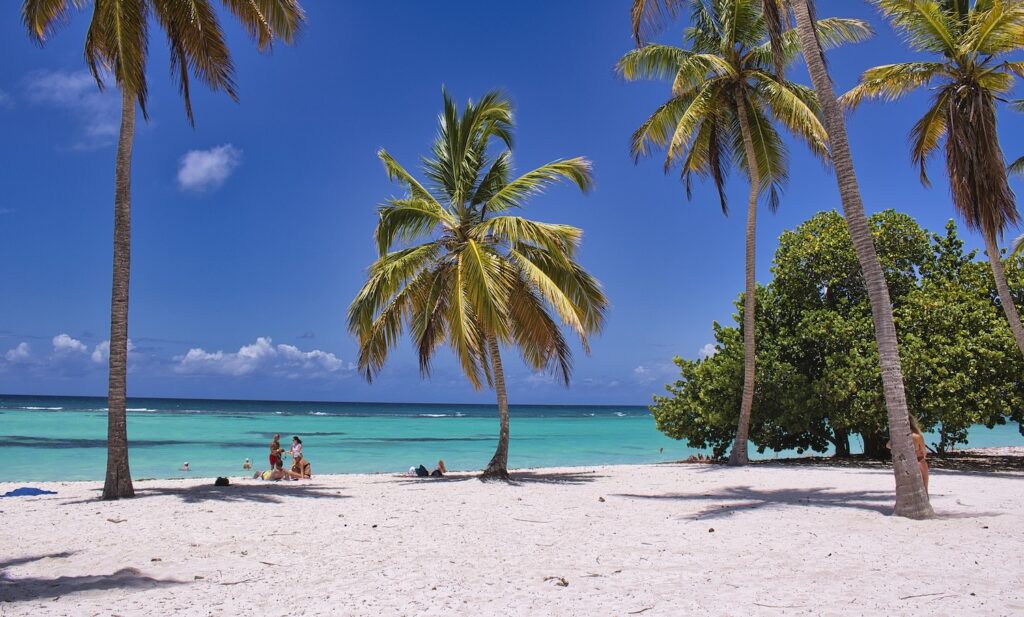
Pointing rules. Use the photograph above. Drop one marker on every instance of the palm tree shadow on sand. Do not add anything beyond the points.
(270, 492)
(740, 498)
(24, 589)
(516, 478)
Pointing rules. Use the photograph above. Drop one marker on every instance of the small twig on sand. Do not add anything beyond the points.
(776, 606)
(267, 563)
(526, 520)
(293, 533)
(923, 595)
(643, 610)
(246, 580)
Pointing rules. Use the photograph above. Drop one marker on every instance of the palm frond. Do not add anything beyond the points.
(996, 29)
(796, 107)
(927, 132)
(923, 24)
(117, 40)
(561, 240)
(891, 82)
(266, 19)
(573, 293)
(1017, 167)
(407, 220)
(772, 157)
(535, 333)
(44, 17)
(398, 173)
(512, 194)
(650, 16)
(1017, 246)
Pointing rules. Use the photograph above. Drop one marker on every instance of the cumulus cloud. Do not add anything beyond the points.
(261, 357)
(64, 344)
(203, 170)
(76, 92)
(649, 373)
(707, 351)
(18, 354)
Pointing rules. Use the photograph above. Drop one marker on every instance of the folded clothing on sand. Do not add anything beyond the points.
(27, 491)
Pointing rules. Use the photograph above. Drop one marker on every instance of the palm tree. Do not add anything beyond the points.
(967, 78)
(117, 43)
(911, 498)
(725, 95)
(454, 266)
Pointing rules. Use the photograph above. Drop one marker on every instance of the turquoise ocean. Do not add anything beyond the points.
(64, 438)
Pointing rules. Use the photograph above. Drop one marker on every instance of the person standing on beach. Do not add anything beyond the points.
(296, 448)
(275, 451)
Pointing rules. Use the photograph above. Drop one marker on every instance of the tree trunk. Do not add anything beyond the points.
(874, 446)
(498, 467)
(119, 480)
(842, 443)
(1005, 297)
(738, 455)
(911, 498)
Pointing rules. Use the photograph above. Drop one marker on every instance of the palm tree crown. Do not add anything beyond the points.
(456, 267)
(729, 63)
(967, 78)
(118, 37)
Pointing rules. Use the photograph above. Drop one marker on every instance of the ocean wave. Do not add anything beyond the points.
(319, 413)
(620, 414)
(41, 408)
(434, 415)
(145, 409)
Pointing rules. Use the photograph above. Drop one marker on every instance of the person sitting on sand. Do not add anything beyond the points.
(275, 451)
(920, 449)
(247, 464)
(277, 473)
(440, 471)
(302, 468)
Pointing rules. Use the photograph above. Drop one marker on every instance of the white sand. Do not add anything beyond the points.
(785, 540)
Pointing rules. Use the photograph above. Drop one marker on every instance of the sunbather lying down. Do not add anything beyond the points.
(278, 473)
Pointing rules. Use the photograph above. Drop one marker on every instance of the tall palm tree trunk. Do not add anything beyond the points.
(911, 498)
(119, 481)
(498, 467)
(738, 455)
(1005, 297)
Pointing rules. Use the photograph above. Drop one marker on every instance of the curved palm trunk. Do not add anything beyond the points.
(498, 467)
(1005, 297)
(911, 498)
(738, 455)
(118, 480)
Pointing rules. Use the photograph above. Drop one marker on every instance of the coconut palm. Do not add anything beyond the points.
(456, 267)
(726, 102)
(116, 44)
(968, 76)
(911, 498)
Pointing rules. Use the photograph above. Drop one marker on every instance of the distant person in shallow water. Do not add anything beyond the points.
(920, 449)
(275, 451)
(247, 464)
(184, 467)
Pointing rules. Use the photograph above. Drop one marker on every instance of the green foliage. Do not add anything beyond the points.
(818, 378)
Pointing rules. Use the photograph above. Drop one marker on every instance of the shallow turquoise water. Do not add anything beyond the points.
(64, 438)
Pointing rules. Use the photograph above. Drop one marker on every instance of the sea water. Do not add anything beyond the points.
(64, 438)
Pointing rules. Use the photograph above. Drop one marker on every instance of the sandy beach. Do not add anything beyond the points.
(624, 540)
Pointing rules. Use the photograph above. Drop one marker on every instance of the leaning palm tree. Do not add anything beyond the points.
(968, 76)
(911, 498)
(725, 96)
(116, 43)
(456, 267)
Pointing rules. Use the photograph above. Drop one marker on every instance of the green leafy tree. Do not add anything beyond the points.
(972, 71)
(819, 380)
(456, 267)
(726, 102)
(117, 44)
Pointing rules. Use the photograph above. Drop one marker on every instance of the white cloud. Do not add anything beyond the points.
(18, 354)
(202, 170)
(707, 351)
(101, 352)
(64, 344)
(77, 92)
(261, 357)
(659, 371)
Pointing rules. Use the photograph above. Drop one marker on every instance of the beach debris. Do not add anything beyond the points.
(156, 559)
(117, 520)
(198, 578)
(559, 580)
(641, 610)
(601, 499)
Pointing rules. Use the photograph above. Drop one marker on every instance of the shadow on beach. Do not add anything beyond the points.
(749, 498)
(516, 478)
(23, 589)
(270, 492)
(963, 462)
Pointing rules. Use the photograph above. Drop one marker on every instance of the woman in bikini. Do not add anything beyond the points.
(920, 450)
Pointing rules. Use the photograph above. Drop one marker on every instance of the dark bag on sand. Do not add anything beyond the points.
(436, 474)
(221, 482)
(422, 472)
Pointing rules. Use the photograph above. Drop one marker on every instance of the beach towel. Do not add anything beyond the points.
(27, 491)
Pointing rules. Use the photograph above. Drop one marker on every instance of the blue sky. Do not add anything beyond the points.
(251, 232)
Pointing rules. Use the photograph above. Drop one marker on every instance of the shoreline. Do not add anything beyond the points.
(996, 459)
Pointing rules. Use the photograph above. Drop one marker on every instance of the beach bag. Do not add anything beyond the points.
(422, 472)
(221, 482)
